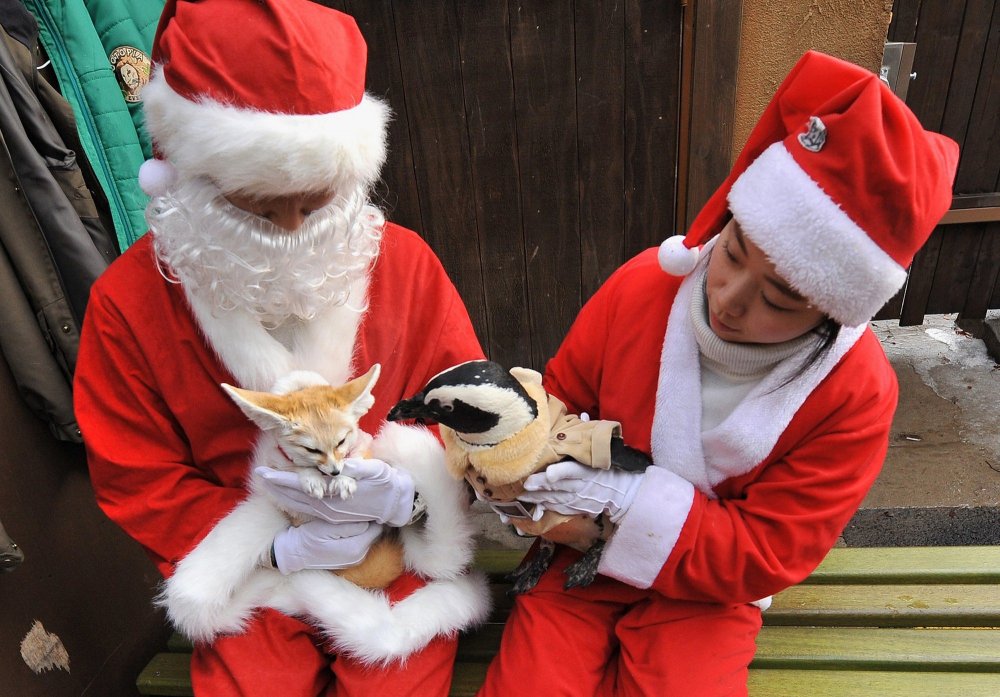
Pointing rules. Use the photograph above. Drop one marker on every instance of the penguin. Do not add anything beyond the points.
(501, 426)
(479, 400)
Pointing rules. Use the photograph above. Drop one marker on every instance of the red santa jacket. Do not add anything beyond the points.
(787, 470)
(168, 450)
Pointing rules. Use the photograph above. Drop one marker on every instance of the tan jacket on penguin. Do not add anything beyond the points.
(497, 472)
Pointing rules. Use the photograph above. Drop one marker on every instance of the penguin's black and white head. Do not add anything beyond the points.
(479, 400)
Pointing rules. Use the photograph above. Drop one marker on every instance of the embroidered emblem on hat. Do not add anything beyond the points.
(814, 138)
(132, 68)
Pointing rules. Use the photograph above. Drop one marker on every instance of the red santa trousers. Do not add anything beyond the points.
(612, 639)
(279, 655)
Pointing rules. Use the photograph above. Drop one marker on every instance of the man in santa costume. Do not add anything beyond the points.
(265, 257)
(749, 373)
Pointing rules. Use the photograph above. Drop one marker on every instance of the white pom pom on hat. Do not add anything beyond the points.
(676, 258)
(156, 177)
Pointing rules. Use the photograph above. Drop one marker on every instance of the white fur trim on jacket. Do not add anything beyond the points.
(262, 153)
(813, 243)
(219, 585)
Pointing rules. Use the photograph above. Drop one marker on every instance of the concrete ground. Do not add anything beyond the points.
(941, 480)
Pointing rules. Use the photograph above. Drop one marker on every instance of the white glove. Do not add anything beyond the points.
(572, 489)
(384, 494)
(318, 544)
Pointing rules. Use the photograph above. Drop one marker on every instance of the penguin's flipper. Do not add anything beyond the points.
(628, 458)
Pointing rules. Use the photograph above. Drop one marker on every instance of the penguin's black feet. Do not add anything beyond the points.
(582, 572)
(526, 575)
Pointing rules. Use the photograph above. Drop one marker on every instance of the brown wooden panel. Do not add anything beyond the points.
(918, 285)
(985, 275)
(652, 106)
(713, 100)
(533, 145)
(396, 193)
(938, 31)
(956, 262)
(488, 87)
(427, 37)
(904, 20)
(600, 102)
(541, 35)
(979, 169)
(965, 73)
(994, 300)
(893, 308)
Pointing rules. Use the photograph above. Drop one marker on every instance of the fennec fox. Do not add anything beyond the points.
(312, 430)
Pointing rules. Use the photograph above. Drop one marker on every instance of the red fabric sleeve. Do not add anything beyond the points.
(784, 520)
(140, 462)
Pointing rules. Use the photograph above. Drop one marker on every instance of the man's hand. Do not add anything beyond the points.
(573, 489)
(383, 495)
(318, 544)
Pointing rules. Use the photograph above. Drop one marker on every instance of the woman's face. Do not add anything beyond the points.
(748, 302)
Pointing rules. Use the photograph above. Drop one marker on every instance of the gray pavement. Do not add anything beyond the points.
(941, 480)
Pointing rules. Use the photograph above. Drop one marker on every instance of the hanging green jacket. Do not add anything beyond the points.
(100, 54)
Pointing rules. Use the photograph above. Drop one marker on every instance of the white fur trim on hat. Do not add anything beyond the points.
(814, 245)
(266, 154)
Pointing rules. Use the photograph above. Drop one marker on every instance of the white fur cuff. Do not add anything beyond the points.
(647, 533)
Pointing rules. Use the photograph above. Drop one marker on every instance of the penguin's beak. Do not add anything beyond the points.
(412, 408)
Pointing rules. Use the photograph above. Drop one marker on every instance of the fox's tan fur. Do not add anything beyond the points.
(316, 427)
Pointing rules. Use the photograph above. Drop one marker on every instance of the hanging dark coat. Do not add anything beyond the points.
(53, 240)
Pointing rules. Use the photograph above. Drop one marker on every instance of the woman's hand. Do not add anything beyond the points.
(384, 494)
(573, 489)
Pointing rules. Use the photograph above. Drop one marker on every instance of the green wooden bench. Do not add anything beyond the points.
(871, 622)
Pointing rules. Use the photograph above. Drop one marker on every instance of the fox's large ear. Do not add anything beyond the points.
(258, 406)
(358, 392)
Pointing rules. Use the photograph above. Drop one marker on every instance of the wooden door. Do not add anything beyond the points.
(534, 146)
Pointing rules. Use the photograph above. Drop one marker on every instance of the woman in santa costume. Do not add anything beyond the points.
(265, 257)
(749, 373)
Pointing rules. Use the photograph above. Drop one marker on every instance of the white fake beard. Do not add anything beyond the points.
(237, 261)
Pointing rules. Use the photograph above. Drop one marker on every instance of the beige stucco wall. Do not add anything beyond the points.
(776, 33)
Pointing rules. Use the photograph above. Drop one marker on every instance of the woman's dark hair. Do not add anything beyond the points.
(826, 334)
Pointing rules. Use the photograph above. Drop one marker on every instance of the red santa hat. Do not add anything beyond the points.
(838, 184)
(264, 97)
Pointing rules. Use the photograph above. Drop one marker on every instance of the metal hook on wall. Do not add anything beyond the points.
(11, 555)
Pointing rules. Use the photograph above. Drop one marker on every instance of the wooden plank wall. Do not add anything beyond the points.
(533, 145)
(956, 92)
